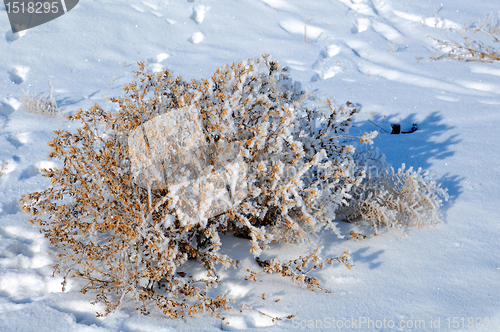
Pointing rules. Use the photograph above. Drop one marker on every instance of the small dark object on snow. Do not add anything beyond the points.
(396, 129)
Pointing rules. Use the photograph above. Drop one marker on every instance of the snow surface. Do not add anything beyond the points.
(375, 53)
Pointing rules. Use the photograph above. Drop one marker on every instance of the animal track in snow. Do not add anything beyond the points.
(326, 73)
(362, 24)
(196, 38)
(9, 105)
(158, 58)
(11, 36)
(155, 62)
(327, 66)
(330, 51)
(18, 74)
(199, 12)
(19, 139)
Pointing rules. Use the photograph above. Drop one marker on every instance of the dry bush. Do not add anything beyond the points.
(490, 24)
(128, 239)
(469, 48)
(35, 103)
(393, 199)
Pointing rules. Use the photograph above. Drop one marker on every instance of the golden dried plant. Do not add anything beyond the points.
(126, 240)
(469, 48)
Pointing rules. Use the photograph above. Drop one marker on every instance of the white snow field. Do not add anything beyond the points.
(375, 53)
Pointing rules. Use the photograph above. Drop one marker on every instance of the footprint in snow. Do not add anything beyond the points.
(155, 62)
(329, 51)
(324, 68)
(159, 58)
(9, 105)
(199, 12)
(196, 38)
(18, 74)
(19, 139)
(362, 24)
(326, 73)
(11, 36)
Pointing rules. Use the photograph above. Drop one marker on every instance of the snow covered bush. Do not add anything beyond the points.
(35, 103)
(472, 48)
(392, 199)
(118, 217)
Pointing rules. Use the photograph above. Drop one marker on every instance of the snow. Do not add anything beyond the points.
(372, 53)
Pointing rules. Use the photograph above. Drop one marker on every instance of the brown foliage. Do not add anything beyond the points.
(126, 240)
(469, 48)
